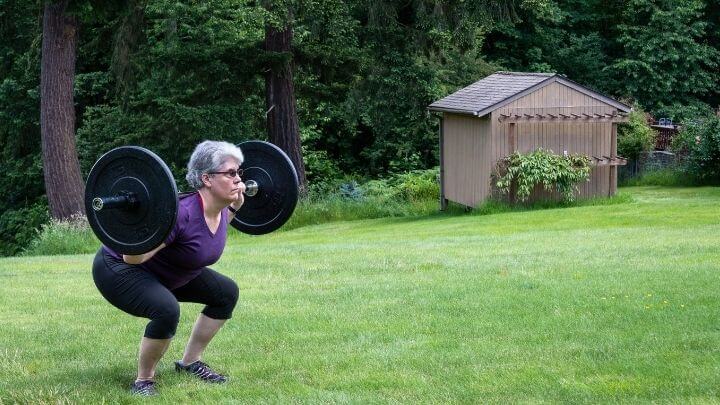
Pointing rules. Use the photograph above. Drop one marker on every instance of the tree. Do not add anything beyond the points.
(63, 182)
(282, 120)
(414, 53)
(666, 60)
(575, 38)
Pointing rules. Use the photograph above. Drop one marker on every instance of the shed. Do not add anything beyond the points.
(514, 111)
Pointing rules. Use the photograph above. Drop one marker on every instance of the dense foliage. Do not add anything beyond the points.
(166, 74)
(635, 136)
(519, 174)
(699, 146)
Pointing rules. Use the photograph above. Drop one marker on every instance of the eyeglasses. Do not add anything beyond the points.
(230, 173)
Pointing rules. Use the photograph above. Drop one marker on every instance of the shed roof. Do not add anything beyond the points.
(501, 88)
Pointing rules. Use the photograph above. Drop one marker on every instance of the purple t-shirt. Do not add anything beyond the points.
(190, 246)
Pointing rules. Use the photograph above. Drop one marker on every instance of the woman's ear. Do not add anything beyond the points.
(206, 179)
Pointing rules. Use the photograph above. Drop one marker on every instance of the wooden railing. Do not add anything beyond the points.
(665, 135)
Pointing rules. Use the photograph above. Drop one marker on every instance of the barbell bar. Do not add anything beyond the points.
(131, 198)
(128, 200)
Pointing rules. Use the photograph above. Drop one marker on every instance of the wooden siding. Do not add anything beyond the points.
(589, 138)
(467, 164)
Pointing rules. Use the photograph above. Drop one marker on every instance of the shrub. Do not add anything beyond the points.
(73, 236)
(19, 227)
(413, 186)
(699, 144)
(407, 194)
(667, 177)
(635, 136)
(545, 168)
(319, 166)
(684, 112)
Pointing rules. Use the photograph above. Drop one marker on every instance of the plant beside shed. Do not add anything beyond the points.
(520, 174)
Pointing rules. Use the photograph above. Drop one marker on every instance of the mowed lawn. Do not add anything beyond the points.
(587, 304)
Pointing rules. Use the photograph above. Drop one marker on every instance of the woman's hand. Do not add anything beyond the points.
(240, 198)
(138, 259)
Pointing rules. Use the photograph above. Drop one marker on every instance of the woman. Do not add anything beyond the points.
(150, 285)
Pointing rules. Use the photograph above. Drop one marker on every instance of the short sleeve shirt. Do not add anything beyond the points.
(190, 247)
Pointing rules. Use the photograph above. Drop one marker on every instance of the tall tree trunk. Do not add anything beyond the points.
(63, 182)
(282, 121)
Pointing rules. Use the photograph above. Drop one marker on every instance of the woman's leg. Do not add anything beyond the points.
(203, 331)
(220, 294)
(151, 351)
(138, 292)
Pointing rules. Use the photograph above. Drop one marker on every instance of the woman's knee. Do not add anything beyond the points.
(163, 322)
(226, 304)
(233, 294)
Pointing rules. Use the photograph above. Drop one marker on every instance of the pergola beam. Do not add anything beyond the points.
(584, 118)
(608, 161)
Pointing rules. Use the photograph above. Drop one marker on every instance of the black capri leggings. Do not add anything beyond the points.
(138, 292)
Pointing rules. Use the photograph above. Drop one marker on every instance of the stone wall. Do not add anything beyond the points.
(648, 161)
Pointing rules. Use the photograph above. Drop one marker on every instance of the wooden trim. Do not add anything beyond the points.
(585, 118)
(512, 147)
(512, 139)
(608, 161)
(613, 151)
(443, 200)
(451, 110)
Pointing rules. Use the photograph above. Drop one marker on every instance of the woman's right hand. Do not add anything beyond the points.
(142, 258)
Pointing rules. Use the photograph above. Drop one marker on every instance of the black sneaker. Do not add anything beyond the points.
(145, 388)
(201, 371)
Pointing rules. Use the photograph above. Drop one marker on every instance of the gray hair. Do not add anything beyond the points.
(208, 157)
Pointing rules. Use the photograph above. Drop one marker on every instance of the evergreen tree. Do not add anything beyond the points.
(665, 60)
(63, 182)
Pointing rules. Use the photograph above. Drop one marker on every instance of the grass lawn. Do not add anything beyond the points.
(585, 304)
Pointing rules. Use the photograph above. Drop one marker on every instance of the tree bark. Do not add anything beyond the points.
(282, 121)
(63, 181)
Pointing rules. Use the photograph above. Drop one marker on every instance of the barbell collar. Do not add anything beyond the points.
(251, 188)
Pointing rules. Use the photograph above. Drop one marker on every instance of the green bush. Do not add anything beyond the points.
(699, 144)
(667, 177)
(413, 186)
(635, 136)
(19, 227)
(73, 236)
(407, 194)
(319, 167)
(542, 167)
(684, 112)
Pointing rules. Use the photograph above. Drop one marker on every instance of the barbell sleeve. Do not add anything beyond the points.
(118, 201)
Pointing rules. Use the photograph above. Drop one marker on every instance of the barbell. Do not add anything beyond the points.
(131, 198)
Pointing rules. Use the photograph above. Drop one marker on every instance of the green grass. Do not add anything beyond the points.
(592, 303)
(668, 177)
(76, 237)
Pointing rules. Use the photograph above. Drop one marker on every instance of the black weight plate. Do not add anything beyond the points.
(132, 169)
(277, 193)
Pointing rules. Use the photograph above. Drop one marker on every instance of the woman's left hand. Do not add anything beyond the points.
(240, 198)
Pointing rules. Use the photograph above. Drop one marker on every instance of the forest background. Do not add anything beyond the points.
(167, 74)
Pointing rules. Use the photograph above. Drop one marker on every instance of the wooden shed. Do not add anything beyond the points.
(512, 111)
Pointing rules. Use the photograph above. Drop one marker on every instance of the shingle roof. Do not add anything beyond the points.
(491, 92)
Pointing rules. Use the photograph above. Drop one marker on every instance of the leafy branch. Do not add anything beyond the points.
(525, 171)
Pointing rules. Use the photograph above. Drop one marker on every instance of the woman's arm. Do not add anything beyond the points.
(237, 203)
(137, 259)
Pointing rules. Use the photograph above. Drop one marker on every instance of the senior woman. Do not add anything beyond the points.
(150, 285)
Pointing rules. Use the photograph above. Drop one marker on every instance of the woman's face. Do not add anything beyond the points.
(224, 182)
